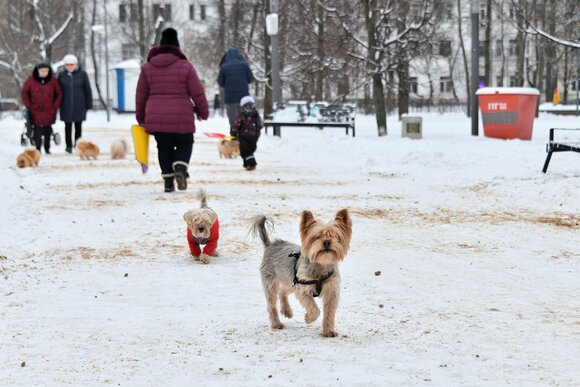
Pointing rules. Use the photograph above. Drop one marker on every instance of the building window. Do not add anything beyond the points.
(445, 48)
(122, 13)
(498, 47)
(127, 12)
(499, 81)
(445, 85)
(163, 10)
(481, 48)
(202, 12)
(512, 80)
(191, 12)
(413, 86)
(130, 51)
(482, 12)
(448, 10)
(513, 47)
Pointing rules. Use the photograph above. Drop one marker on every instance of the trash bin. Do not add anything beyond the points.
(508, 112)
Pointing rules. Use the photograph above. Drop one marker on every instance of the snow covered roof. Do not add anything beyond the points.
(129, 64)
(507, 90)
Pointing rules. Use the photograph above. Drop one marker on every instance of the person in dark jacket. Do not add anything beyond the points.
(42, 95)
(167, 85)
(234, 76)
(247, 131)
(77, 98)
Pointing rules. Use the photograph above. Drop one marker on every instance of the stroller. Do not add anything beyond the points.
(27, 137)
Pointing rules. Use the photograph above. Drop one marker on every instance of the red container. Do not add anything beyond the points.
(508, 112)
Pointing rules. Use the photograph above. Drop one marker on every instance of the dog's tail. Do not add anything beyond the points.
(202, 196)
(259, 225)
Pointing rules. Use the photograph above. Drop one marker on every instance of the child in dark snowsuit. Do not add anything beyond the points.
(247, 131)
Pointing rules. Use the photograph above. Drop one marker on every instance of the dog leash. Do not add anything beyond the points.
(317, 282)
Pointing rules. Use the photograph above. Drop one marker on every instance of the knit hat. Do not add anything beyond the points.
(169, 38)
(70, 59)
(43, 66)
(247, 99)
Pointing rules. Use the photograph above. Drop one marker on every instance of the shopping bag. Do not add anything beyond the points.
(141, 143)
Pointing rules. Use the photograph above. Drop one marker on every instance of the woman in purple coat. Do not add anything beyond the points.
(167, 85)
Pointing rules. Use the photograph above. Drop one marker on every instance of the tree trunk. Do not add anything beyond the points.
(487, 44)
(96, 67)
(374, 61)
(465, 63)
(320, 53)
(403, 89)
(221, 44)
(520, 43)
(141, 30)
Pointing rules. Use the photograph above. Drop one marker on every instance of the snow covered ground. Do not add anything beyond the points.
(463, 270)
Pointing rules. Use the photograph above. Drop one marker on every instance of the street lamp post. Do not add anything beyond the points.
(474, 66)
(107, 63)
(272, 30)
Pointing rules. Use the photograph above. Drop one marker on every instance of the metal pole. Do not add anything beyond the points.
(107, 64)
(577, 77)
(474, 66)
(276, 89)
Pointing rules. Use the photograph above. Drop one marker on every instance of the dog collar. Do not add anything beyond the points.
(318, 282)
(201, 241)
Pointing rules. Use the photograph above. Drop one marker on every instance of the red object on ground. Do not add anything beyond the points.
(214, 135)
(508, 112)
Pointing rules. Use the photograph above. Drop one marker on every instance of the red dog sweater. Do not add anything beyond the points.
(210, 245)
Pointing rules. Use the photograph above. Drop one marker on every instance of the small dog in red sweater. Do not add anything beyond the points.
(203, 228)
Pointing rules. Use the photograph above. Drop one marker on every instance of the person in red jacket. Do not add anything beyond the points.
(167, 85)
(42, 95)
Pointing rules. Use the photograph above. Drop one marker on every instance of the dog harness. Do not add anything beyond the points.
(318, 282)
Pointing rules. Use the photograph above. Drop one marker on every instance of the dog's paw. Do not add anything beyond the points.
(311, 316)
(286, 312)
(195, 258)
(329, 334)
(277, 325)
(204, 258)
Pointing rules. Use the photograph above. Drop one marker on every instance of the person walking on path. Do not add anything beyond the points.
(234, 76)
(42, 96)
(166, 87)
(77, 98)
(247, 130)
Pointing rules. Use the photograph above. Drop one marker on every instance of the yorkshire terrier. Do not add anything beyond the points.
(309, 270)
(28, 158)
(86, 149)
(229, 149)
(203, 228)
(119, 149)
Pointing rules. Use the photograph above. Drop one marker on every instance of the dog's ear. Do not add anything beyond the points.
(343, 221)
(187, 217)
(306, 222)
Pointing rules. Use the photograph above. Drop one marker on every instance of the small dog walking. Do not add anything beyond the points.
(310, 270)
(203, 228)
(229, 149)
(30, 157)
(87, 149)
(119, 149)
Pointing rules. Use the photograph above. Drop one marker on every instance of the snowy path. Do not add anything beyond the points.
(478, 254)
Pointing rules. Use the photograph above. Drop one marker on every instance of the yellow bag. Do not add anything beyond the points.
(141, 143)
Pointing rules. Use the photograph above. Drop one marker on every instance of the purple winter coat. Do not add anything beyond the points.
(167, 85)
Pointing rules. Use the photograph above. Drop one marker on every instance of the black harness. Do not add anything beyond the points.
(317, 282)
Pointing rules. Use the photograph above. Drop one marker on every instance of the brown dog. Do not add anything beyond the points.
(87, 149)
(29, 158)
(229, 149)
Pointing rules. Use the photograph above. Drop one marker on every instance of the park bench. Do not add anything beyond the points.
(559, 146)
(330, 116)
